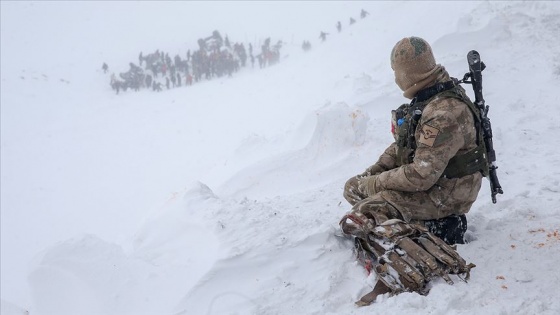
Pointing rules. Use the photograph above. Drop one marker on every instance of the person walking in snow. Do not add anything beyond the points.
(105, 67)
(363, 13)
(148, 81)
(323, 36)
(429, 177)
(156, 86)
(173, 79)
(339, 26)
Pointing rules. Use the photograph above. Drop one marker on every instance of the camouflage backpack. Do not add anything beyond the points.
(405, 257)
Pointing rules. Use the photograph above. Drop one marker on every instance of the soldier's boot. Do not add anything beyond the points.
(450, 229)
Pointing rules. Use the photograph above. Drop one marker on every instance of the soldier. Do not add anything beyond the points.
(323, 36)
(352, 21)
(339, 26)
(105, 67)
(431, 175)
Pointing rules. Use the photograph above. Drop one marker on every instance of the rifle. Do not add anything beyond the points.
(475, 74)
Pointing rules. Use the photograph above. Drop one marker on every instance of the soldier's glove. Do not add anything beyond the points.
(352, 192)
(368, 185)
(375, 169)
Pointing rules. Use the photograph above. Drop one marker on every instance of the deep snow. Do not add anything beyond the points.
(224, 197)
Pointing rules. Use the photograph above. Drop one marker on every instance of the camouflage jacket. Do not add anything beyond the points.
(445, 129)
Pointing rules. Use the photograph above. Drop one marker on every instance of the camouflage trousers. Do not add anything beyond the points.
(431, 204)
(413, 207)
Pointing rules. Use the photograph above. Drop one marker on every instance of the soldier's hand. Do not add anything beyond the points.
(372, 170)
(367, 185)
(351, 191)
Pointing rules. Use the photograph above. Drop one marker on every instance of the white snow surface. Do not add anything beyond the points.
(224, 197)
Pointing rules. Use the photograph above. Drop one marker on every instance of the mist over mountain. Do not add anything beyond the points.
(224, 197)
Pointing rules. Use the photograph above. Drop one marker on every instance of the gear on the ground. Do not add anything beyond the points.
(405, 257)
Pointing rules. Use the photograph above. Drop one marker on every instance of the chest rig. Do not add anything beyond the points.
(405, 121)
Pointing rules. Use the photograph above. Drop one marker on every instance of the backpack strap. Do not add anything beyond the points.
(474, 160)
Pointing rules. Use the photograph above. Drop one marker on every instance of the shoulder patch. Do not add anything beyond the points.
(428, 135)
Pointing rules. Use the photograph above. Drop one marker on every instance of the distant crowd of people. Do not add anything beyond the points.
(306, 46)
(215, 57)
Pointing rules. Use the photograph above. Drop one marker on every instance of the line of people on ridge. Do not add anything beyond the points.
(216, 57)
(306, 46)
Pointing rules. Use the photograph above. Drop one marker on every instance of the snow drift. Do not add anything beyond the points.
(224, 197)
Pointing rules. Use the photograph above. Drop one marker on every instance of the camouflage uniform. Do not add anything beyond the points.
(431, 172)
(417, 191)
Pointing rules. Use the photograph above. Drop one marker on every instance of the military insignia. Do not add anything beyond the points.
(428, 135)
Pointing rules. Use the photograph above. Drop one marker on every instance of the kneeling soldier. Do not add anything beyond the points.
(409, 207)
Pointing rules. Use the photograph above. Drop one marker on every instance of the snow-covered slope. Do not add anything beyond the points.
(224, 197)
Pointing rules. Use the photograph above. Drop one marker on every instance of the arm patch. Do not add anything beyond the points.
(428, 135)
